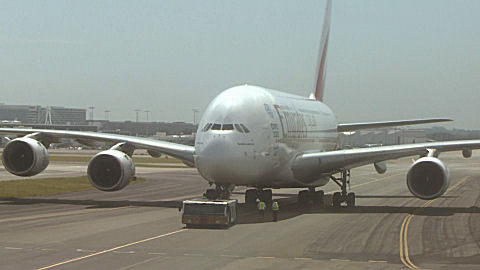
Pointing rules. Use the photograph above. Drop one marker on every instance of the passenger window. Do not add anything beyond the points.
(227, 127)
(217, 127)
(239, 128)
(245, 128)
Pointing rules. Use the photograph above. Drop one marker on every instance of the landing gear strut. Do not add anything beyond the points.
(221, 191)
(340, 197)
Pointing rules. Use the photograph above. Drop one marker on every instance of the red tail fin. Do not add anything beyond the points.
(322, 56)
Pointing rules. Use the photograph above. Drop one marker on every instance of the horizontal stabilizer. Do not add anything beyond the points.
(370, 125)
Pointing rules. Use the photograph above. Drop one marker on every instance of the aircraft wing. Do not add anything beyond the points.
(310, 165)
(180, 151)
(369, 125)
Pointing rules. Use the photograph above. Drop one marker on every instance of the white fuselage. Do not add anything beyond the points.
(249, 135)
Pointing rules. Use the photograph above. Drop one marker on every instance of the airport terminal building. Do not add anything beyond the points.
(35, 114)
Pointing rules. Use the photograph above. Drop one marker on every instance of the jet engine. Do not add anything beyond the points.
(467, 153)
(110, 170)
(154, 154)
(428, 178)
(25, 157)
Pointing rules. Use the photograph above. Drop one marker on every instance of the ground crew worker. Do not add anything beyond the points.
(261, 208)
(275, 209)
(204, 196)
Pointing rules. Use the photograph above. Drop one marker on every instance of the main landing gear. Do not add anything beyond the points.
(339, 197)
(251, 196)
(311, 196)
(221, 191)
(318, 197)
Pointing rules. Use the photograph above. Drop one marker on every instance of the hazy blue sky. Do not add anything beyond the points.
(387, 59)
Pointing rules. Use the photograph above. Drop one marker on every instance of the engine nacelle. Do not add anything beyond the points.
(110, 170)
(428, 178)
(189, 164)
(154, 154)
(467, 153)
(25, 157)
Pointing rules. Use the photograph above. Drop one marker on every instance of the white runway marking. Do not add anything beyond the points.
(14, 248)
(110, 250)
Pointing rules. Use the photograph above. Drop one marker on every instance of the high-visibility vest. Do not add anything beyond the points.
(275, 206)
(261, 206)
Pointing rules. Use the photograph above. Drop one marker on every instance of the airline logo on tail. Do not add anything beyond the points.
(322, 56)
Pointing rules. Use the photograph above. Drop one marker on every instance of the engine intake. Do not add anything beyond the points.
(25, 157)
(110, 170)
(428, 178)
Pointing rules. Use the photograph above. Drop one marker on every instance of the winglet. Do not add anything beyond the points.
(322, 55)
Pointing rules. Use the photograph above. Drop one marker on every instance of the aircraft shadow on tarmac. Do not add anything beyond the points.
(92, 203)
(290, 209)
(392, 196)
(248, 214)
(291, 195)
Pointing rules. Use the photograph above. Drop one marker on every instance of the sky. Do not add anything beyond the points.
(387, 60)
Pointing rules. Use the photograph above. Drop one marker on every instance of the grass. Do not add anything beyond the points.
(46, 186)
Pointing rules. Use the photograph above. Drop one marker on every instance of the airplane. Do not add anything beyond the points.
(259, 138)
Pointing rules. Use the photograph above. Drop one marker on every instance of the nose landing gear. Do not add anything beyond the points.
(251, 196)
(221, 191)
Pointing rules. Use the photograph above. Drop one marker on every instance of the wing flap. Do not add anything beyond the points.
(369, 125)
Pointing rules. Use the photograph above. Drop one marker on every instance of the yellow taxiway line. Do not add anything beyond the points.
(404, 257)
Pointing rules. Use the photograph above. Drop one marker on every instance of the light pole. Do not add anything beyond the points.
(106, 114)
(148, 113)
(136, 114)
(91, 112)
(195, 111)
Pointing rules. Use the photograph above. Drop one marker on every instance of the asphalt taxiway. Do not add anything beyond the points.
(139, 227)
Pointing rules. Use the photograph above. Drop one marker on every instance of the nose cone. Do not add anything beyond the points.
(229, 155)
(216, 160)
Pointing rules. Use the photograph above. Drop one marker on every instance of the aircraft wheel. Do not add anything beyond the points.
(212, 194)
(351, 199)
(303, 196)
(319, 198)
(337, 199)
(267, 196)
(251, 196)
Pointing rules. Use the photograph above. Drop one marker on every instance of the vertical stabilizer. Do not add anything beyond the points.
(322, 55)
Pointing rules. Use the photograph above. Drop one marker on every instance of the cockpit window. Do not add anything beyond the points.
(207, 127)
(227, 127)
(245, 128)
(239, 128)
